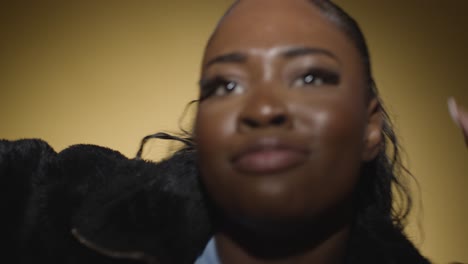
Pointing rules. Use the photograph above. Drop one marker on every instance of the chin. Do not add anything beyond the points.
(285, 208)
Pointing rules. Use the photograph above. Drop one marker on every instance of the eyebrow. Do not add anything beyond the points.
(239, 57)
(234, 57)
(301, 51)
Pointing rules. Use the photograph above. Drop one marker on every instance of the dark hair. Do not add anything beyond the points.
(375, 199)
(383, 179)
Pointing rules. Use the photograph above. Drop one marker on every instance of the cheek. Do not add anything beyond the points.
(216, 121)
(214, 126)
(336, 130)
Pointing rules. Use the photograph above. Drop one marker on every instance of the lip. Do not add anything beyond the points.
(269, 155)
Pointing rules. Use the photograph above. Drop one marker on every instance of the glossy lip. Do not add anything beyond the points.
(269, 155)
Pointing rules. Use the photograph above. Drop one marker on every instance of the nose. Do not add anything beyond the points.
(265, 109)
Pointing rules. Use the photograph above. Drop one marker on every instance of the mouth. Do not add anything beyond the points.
(269, 156)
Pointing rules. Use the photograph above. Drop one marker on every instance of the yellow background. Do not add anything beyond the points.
(111, 72)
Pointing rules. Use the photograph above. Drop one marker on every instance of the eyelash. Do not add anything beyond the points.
(221, 86)
(218, 86)
(317, 77)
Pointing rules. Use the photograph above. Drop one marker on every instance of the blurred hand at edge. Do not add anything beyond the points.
(459, 116)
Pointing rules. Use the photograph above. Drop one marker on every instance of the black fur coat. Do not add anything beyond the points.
(89, 204)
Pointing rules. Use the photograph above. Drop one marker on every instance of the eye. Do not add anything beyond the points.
(317, 77)
(219, 86)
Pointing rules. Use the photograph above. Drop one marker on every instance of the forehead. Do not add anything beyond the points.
(269, 24)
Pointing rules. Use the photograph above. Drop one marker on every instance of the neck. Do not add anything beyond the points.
(321, 243)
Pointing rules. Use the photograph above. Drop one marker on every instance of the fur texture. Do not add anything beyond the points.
(89, 204)
(126, 210)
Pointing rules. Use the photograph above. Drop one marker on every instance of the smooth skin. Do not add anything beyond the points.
(282, 131)
(284, 79)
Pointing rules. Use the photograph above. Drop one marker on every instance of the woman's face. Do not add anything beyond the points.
(284, 125)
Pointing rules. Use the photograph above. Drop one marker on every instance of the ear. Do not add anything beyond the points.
(373, 134)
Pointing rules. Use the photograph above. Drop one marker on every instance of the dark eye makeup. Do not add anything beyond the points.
(217, 85)
(316, 77)
(221, 86)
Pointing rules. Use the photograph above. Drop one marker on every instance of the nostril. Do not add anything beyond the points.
(278, 120)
